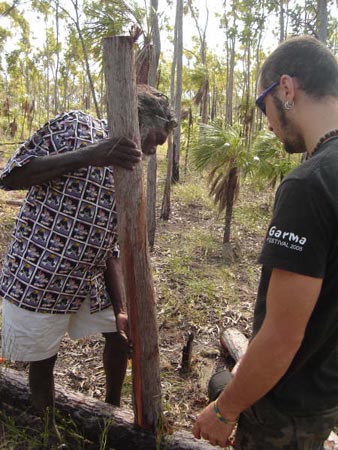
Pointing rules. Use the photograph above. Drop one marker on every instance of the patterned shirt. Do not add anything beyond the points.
(66, 228)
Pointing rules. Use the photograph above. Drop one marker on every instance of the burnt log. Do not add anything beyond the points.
(92, 416)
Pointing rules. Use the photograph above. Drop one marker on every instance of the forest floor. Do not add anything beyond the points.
(197, 291)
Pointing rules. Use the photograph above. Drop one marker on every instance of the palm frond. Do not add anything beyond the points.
(270, 161)
(220, 151)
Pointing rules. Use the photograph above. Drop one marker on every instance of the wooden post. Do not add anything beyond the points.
(119, 68)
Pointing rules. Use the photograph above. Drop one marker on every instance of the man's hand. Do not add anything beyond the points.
(122, 324)
(209, 427)
(114, 151)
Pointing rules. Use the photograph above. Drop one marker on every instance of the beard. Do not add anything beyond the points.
(293, 140)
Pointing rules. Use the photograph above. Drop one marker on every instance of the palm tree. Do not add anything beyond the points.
(270, 162)
(222, 152)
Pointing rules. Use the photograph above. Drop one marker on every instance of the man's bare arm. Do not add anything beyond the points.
(115, 285)
(291, 299)
(114, 151)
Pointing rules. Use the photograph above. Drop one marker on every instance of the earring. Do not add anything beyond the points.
(289, 105)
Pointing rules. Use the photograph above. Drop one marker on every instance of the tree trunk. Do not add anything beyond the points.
(56, 89)
(89, 75)
(232, 188)
(152, 164)
(281, 21)
(322, 20)
(132, 225)
(76, 22)
(190, 123)
(151, 199)
(165, 209)
(178, 94)
(230, 84)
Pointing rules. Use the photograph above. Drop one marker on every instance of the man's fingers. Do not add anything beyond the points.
(123, 141)
(196, 431)
(127, 152)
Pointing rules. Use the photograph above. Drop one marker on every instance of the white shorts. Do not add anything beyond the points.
(32, 336)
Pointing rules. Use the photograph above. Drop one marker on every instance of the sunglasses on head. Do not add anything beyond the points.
(260, 100)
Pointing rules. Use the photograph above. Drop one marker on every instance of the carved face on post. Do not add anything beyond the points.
(156, 118)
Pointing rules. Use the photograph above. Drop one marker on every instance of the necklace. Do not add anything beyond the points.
(327, 137)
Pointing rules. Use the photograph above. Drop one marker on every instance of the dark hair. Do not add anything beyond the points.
(154, 107)
(307, 59)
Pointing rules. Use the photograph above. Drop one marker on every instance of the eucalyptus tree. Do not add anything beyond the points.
(175, 100)
(5, 34)
(322, 22)
(75, 17)
(313, 17)
(51, 50)
(229, 23)
(202, 96)
(154, 56)
(252, 14)
(20, 69)
(283, 19)
(74, 91)
(178, 89)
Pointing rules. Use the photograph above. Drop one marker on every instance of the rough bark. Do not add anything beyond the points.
(152, 164)
(178, 93)
(231, 192)
(151, 199)
(165, 208)
(119, 68)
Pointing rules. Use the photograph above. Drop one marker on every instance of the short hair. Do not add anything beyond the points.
(307, 59)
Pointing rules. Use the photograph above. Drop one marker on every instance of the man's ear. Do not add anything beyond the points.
(287, 86)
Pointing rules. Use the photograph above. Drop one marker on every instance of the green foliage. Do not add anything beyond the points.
(40, 434)
(111, 18)
(270, 162)
(219, 150)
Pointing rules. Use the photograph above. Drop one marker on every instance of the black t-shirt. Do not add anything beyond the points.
(303, 238)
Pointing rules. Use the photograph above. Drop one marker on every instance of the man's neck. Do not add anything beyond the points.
(318, 119)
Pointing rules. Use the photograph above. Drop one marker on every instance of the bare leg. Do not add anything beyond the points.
(115, 359)
(41, 383)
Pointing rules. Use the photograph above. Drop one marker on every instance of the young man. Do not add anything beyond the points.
(284, 393)
(62, 271)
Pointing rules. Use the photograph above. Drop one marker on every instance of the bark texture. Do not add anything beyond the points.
(132, 226)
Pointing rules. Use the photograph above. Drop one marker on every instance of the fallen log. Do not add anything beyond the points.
(92, 416)
(236, 344)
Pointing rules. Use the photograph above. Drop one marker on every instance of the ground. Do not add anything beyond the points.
(198, 291)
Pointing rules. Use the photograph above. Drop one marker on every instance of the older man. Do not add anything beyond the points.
(284, 394)
(62, 272)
